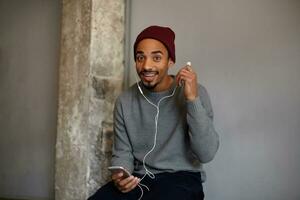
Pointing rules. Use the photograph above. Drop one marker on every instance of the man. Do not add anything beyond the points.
(163, 127)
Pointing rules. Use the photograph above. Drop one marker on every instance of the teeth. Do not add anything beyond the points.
(149, 73)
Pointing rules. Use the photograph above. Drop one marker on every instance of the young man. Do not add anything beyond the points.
(163, 128)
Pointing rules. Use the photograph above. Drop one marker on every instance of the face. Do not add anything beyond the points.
(152, 64)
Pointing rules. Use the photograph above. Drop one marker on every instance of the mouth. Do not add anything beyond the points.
(148, 76)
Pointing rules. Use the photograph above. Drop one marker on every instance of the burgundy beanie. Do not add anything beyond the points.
(163, 34)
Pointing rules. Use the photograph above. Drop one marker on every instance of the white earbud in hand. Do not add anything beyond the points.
(182, 81)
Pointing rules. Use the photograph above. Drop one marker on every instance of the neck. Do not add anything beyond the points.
(165, 85)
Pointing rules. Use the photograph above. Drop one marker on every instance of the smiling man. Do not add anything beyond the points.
(163, 128)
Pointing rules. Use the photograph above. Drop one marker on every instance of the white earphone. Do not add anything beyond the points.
(148, 172)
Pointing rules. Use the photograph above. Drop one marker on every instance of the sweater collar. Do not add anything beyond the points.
(159, 94)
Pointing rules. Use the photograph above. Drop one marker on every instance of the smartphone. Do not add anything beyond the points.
(118, 169)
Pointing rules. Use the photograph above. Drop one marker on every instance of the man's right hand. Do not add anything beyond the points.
(125, 184)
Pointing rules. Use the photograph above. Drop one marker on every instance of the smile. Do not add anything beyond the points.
(148, 76)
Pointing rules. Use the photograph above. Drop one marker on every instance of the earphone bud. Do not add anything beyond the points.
(181, 82)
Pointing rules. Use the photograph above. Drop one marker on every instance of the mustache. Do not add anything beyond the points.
(148, 71)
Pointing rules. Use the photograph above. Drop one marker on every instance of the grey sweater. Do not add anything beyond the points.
(186, 137)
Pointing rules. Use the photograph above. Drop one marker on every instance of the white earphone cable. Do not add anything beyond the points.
(147, 171)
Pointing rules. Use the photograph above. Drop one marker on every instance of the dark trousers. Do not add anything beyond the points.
(165, 186)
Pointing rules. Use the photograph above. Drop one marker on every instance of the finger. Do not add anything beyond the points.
(182, 72)
(117, 183)
(131, 185)
(178, 78)
(187, 72)
(185, 77)
(178, 75)
(189, 68)
(181, 80)
(116, 176)
(125, 181)
(135, 183)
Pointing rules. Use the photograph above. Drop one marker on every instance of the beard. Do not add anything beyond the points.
(149, 86)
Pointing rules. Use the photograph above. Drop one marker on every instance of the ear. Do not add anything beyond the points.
(170, 63)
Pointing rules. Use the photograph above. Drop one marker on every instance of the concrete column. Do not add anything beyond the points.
(90, 78)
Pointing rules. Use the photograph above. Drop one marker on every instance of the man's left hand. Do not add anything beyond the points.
(189, 78)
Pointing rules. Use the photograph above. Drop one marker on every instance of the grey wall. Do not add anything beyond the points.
(247, 54)
(29, 49)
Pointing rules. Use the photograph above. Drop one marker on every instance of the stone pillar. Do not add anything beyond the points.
(90, 78)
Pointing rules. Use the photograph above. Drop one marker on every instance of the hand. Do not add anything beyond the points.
(189, 78)
(125, 184)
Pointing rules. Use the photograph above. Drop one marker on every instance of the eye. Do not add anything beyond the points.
(140, 58)
(156, 58)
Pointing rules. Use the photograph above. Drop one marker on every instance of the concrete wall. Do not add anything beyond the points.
(90, 79)
(90, 48)
(29, 49)
(247, 54)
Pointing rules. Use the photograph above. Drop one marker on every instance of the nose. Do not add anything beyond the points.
(147, 64)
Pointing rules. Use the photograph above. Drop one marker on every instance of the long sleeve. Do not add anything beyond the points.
(204, 139)
(122, 148)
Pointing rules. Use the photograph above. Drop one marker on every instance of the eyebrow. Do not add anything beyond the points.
(139, 52)
(153, 52)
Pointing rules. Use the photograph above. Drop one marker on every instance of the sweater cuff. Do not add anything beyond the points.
(195, 106)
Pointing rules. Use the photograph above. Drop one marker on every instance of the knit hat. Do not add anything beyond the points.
(163, 34)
